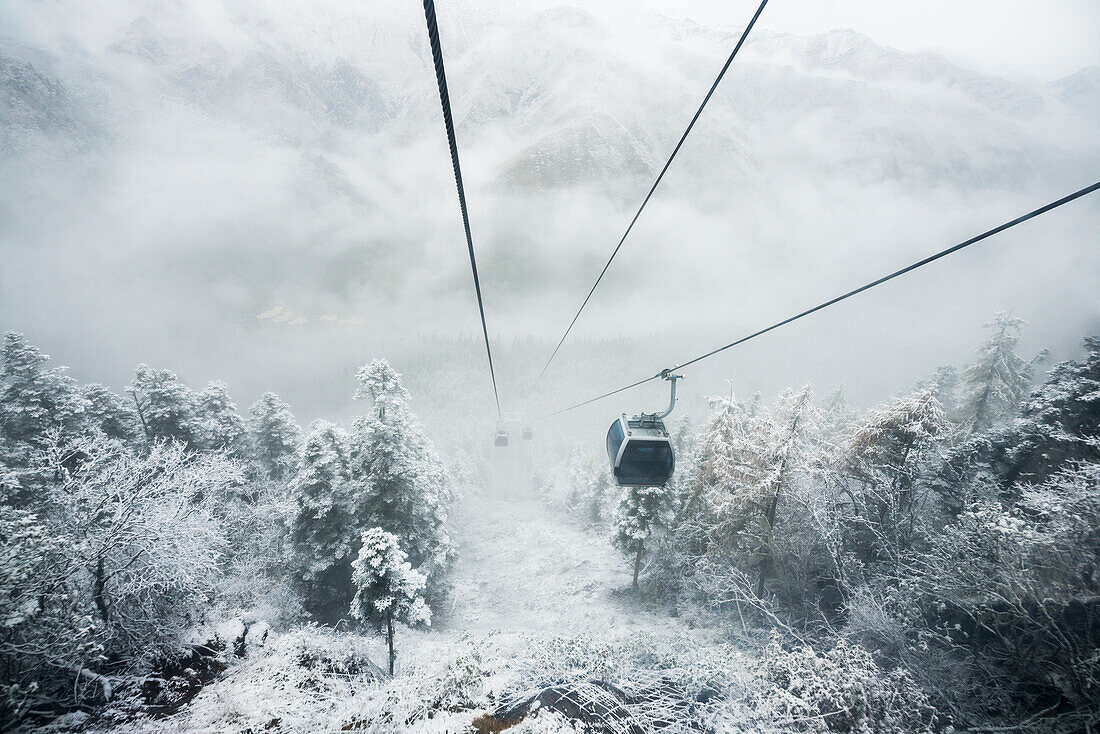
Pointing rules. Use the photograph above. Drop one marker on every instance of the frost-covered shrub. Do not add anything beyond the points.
(842, 689)
(684, 670)
(320, 680)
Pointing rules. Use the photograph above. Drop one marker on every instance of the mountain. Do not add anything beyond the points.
(1080, 91)
(575, 103)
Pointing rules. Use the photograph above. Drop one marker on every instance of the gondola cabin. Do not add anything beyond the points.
(528, 433)
(640, 452)
(502, 438)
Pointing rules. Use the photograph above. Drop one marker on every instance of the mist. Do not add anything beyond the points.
(256, 197)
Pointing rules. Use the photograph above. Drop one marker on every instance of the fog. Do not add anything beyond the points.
(264, 195)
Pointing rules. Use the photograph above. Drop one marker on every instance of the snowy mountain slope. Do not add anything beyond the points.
(575, 101)
(39, 115)
(1080, 91)
(523, 569)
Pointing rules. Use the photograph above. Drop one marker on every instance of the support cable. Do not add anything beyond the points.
(445, 102)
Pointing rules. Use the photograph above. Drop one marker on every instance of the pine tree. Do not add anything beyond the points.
(399, 482)
(35, 400)
(274, 434)
(995, 385)
(324, 531)
(218, 425)
(387, 588)
(165, 406)
(112, 414)
(641, 510)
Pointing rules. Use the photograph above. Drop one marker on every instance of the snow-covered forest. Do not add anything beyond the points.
(172, 562)
(344, 489)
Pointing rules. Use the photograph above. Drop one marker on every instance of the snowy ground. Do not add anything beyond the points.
(523, 568)
(533, 593)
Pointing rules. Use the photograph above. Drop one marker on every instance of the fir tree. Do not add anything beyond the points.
(34, 399)
(399, 482)
(387, 588)
(218, 425)
(641, 510)
(165, 406)
(274, 434)
(995, 385)
(1058, 424)
(112, 414)
(324, 531)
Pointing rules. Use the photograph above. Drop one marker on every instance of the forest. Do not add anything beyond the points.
(174, 563)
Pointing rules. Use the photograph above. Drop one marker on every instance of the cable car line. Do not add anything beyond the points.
(653, 188)
(445, 102)
(897, 273)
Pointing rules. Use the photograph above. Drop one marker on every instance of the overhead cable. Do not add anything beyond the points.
(653, 188)
(448, 121)
(909, 268)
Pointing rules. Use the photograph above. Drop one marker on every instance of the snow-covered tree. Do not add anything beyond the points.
(995, 385)
(795, 413)
(387, 588)
(589, 488)
(1017, 587)
(731, 446)
(1058, 424)
(219, 426)
(641, 510)
(746, 513)
(399, 483)
(882, 463)
(112, 414)
(746, 457)
(118, 558)
(380, 384)
(275, 435)
(324, 529)
(37, 611)
(165, 406)
(837, 415)
(35, 399)
(945, 386)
